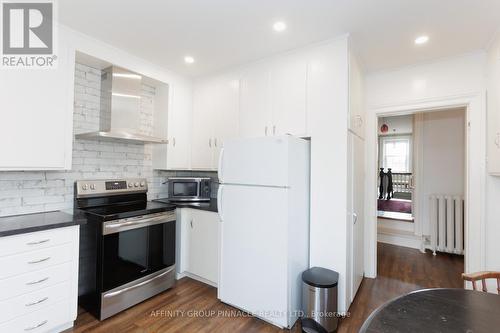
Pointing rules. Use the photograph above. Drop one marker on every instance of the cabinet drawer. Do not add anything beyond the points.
(35, 240)
(35, 260)
(43, 320)
(29, 282)
(33, 301)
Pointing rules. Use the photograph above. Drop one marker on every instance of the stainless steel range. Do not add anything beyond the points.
(127, 246)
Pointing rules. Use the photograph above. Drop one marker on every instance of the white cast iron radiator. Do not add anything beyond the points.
(447, 223)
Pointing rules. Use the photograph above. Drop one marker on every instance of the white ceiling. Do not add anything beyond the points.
(226, 33)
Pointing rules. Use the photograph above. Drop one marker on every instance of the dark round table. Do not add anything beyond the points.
(437, 310)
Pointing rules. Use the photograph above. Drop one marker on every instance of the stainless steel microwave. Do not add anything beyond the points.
(189, 189)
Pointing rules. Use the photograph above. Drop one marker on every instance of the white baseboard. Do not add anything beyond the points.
(197, 278)
(396, 225)
(399, 238)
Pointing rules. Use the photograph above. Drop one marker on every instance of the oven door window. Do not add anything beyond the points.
(132, 254)
(185, 189)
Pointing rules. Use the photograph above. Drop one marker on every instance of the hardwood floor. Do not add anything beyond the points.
(400, 270)
(197, 307)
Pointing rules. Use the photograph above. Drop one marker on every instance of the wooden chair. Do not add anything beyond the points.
(473, 277)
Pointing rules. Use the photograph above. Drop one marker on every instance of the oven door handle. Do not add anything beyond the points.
(137, 223)
(121, 291)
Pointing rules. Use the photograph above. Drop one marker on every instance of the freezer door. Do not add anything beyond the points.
(255, 161)
(253, 271)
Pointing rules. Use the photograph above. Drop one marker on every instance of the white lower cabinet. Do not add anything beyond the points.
(39, 280)
(199, 245)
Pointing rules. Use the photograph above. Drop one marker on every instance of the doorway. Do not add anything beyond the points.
(395, 168)
(421, 185)
(475, 169)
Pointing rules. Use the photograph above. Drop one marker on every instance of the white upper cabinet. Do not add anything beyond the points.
(215, 119)
(172, 120)
(288, 97)
(356, 107)
(226, 120)
(36, 110)
(203, 124)
(255, 102)
(273, 98)
(179, 127)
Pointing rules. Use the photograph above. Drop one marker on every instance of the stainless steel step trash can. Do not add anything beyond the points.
(319, 300)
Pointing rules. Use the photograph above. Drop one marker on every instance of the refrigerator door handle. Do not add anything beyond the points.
(219, 201)
(221, 160)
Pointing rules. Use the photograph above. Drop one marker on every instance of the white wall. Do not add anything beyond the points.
(443, 157)
(493, 182)
(397, 125)
(456, 81)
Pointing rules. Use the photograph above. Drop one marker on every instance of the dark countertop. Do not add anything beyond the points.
(437, 310)
(208, 206)
(22, 224)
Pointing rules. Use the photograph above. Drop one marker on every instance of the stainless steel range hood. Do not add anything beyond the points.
(120, 108)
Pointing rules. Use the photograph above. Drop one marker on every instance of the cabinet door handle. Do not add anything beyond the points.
(38, 242)
(265, 131)
(37, 302)
(355, 217)
(36, 326)
(497, 140)
(37, 281)
(274, 129)
(38, 261)
(215, 142)
(210, 142)
(191, 223)
(173, 141)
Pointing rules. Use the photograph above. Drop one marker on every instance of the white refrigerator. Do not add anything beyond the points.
(263, 202)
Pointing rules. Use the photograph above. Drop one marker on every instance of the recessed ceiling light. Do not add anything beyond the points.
(421, 40)
(279, 26)
(188, 59)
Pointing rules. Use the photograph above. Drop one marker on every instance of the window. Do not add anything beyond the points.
(396, 154)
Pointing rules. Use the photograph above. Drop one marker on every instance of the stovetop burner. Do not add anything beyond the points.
(120, 211)
(116, 199)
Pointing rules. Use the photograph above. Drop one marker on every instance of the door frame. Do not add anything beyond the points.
(475, 173)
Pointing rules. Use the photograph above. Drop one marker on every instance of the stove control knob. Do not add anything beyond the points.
(136, 184)
(142, 184)
(85, 187)
(130, 185)
(92, 187)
